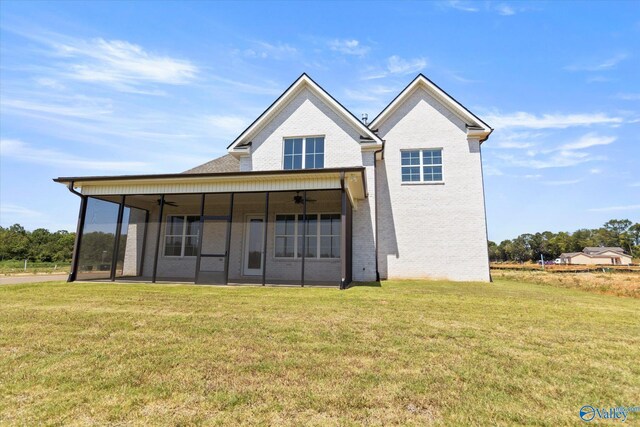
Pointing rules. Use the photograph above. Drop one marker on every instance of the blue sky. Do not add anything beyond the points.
(119, 88)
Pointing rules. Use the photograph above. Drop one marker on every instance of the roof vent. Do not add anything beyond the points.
(365, 118)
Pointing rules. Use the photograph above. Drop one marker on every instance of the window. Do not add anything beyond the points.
(322, 236)
(285, 235)
(421, 165)
(181, 235)
(330, 236)
(304, 153)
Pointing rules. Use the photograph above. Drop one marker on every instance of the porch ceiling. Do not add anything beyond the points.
(353, 179)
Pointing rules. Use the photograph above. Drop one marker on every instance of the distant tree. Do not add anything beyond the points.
(634, 232)
(14, 243)
(494, 252)
(39, 245)
(617, 226)
(529, 247)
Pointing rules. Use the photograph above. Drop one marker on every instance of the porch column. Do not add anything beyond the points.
(159, 229)
(264, 242)
(343, 238)
(228, 244)
(200, 235)
(114, 257)
(76, 246)
(140, 271)
(304, 234)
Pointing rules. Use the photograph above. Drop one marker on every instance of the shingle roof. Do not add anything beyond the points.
(596, 249)
(569, 254)
(226, 163)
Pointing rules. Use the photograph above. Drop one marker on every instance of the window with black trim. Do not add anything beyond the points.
(304, 153)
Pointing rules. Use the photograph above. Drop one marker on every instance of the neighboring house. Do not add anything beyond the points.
(307, 194)
(595, 255)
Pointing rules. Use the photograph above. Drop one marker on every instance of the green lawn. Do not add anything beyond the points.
(405, 353)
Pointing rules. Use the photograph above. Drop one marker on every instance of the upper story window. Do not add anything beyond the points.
(421, 165)
(304, 153)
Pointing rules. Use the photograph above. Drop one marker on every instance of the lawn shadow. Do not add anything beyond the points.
(376, 284)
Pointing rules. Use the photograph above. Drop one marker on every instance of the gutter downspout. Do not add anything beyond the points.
(76, 246)
(375, 208)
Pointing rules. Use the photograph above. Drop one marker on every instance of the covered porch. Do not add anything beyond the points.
(297, 231)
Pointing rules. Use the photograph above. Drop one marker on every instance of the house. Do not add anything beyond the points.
(597, 255)
(308, 194)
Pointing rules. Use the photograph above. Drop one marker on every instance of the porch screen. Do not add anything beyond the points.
(98, 239)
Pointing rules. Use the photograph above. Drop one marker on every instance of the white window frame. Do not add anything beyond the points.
(422, 165)
(304, 150)
(298, 237)
(184, 236)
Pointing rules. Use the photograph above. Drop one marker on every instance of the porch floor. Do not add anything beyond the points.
(244, 282)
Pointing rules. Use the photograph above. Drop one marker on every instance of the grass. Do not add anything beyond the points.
(406, 353)
(12, 267)
(610, 283)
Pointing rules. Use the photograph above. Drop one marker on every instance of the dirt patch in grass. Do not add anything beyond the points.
(611, 283)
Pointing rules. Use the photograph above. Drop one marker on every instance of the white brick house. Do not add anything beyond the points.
(307, 195)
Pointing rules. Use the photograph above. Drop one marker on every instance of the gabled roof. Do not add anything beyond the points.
(226, 163)
(303, 81)
(570, 254)
(598, 254)
(599, 249)
(474, 123)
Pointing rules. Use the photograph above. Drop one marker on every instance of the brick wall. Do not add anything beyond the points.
(431, 230)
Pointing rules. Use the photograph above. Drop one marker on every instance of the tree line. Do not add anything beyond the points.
(39, 245)
(530, 247)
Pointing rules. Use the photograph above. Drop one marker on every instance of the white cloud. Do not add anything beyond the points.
(522, 119)
(564, 155)
(616, 208)
(599, 65)
(349, 47)
(398, 66)
(513, 144)
(598, 79)
(266, 50)
(505, 9)
(370, 93)
(588, 140)
(490, 170)
(77, 106)
(628, 96)
(17, 149)
(595, 171)
(566, 182)
(121, 64)
(265, 87)
(465, 6)
(226, 126)
(546, 160)
(360, 95)
(49, 83)
(20, 211)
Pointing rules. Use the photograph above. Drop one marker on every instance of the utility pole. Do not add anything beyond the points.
(542, 261)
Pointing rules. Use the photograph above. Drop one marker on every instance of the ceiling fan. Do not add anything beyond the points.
(298, 199)
(166, 202)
